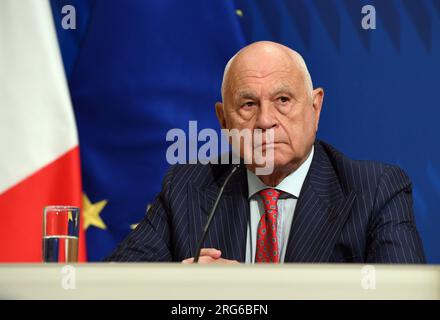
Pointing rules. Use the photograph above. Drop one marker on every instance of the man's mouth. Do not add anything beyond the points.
(268, 145)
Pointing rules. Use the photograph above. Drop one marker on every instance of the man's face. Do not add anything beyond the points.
(271, 93)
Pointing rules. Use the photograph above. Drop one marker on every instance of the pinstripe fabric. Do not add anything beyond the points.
(347, 211)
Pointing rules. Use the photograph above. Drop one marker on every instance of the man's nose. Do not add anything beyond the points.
(266, 118)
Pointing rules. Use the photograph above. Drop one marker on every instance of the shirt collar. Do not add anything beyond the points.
(291, 184)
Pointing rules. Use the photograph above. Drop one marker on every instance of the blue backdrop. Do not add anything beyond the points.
(139, 68)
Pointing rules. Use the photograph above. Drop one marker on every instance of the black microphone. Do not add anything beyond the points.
(235, 168)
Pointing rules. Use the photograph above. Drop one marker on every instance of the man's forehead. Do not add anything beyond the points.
(252, 75)
(276, 80)
(270, 69)
(249, 92)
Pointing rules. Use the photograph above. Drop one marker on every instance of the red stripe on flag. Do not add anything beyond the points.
(21, 208)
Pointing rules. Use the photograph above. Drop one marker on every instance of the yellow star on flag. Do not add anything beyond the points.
(69, 216)
(91, 212)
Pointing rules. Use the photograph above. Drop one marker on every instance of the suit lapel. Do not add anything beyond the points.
(229, 227)
(320, 213)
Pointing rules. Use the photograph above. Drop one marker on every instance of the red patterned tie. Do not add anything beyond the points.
(267, 241)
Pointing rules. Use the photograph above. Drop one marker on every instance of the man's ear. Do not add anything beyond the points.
(318, 98)
(220, 114)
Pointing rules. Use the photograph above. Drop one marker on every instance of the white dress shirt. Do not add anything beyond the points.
(291, 187)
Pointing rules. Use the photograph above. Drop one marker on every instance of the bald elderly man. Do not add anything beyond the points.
(316, 206)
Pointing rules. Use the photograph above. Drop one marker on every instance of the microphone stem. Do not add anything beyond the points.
(212, 213)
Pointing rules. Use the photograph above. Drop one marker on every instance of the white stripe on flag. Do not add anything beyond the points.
(37, 123)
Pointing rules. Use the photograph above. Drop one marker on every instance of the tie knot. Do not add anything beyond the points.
(270, 198)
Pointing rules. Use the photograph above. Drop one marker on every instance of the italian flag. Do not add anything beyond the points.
(39, 153)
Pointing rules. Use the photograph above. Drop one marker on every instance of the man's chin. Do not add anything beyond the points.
(267, 165)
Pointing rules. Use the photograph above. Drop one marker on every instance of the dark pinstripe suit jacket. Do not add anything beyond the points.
(347, 211)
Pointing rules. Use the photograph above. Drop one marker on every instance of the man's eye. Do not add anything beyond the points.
(283, 99)
(249, 104)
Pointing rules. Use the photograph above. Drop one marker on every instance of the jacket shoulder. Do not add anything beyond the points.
(363, 175)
